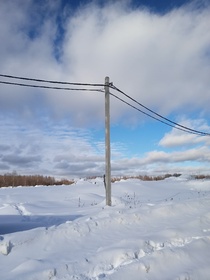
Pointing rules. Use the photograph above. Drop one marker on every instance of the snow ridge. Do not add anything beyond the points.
(144, 235)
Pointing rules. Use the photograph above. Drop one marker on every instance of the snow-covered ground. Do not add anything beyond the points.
(153, 230)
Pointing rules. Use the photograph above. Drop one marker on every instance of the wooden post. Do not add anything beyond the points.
(107, 144)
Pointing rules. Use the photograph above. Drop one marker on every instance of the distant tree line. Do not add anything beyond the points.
(146, 177)
(159, 177)
(14, 180)
(202, 177)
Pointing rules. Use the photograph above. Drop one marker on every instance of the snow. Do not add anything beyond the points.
(153, 230)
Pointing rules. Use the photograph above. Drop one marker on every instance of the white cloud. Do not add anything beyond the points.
(53, 149)
(187, 161)
(177, 138)
(178, 152)
(161, 60)
(201, 154)
(61, 150)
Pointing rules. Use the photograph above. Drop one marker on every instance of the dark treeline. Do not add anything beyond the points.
(147, 177)
(14, 180)
(201, 177)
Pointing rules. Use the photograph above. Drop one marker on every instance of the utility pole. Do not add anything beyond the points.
(107, 144)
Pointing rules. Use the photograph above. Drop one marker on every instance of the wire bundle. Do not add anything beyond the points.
(94, 87)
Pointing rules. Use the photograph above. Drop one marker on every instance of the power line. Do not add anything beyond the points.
(50, 87)
(164, 120)
(174, 124)
(147, 114)
(51, 81)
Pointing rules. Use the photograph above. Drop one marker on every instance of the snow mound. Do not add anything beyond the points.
(153, 230)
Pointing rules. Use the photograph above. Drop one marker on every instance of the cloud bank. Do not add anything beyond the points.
(162, 60)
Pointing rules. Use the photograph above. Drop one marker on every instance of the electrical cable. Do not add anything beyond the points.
(49, 87)
(51, 81)
(166, 120)
(147, 114)
(160, 116)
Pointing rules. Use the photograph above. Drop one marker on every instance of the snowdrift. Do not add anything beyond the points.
(153, 230)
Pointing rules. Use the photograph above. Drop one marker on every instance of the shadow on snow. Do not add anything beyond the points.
(15, 223)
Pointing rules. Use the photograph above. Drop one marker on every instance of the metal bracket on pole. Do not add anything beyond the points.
(107, 143)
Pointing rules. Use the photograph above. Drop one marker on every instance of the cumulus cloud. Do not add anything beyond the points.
(162, 60)
(199, 154)
(58, 149)
(176, 138)
(187, 161)
(62, 150)
(176, 152)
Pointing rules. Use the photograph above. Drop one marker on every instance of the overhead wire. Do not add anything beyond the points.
(50, 81)
(156, 116)
(174, 124)
(149, 115)
(50, 87)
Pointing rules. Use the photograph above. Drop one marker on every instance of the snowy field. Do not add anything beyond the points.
(154, 230)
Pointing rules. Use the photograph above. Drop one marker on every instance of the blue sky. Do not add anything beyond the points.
(157, 52)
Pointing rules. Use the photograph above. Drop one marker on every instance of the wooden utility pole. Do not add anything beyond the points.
(107, 144)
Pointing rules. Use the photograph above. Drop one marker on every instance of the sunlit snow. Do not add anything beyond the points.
(153, 230)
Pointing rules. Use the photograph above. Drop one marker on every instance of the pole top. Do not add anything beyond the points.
(107, 79)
